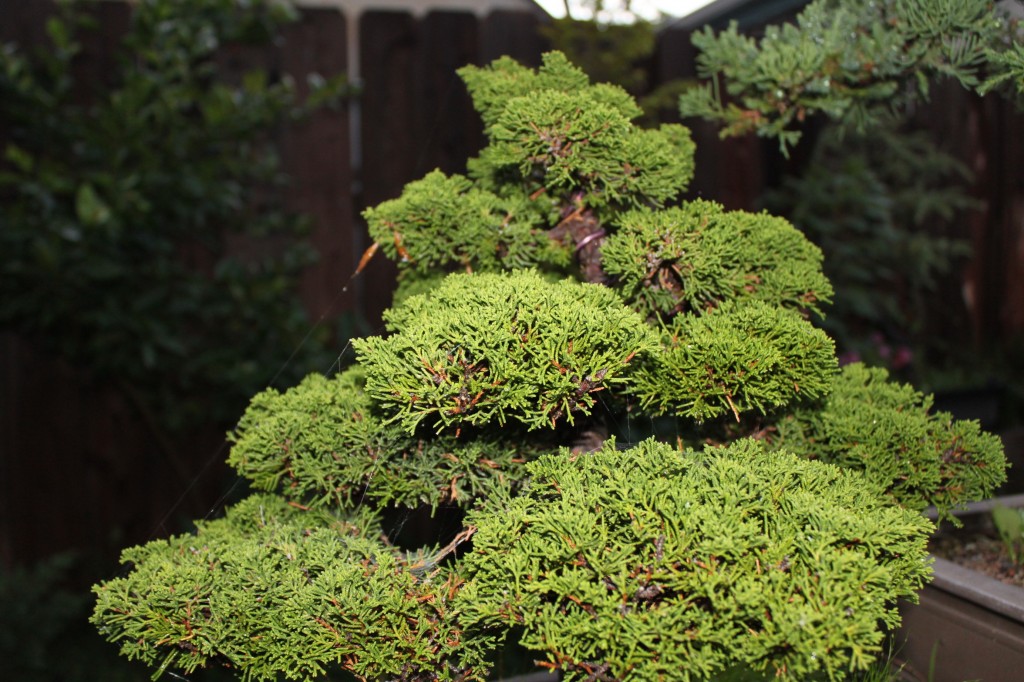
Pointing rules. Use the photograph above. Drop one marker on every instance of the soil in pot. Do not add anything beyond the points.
(977, 546)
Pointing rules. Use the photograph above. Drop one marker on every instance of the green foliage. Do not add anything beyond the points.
(656, 564)
(563, 157)
(1009, 524)
(449, 224)
(270, 589)
(885, 429)
(608, 53)
(737, 359)
(554, 135)
(872, 202)
(325, 445)
(620, 51)
(119, 206)
(1008, 69)
(694, 257)
(487, 349)
(852, 60)
(744, 561)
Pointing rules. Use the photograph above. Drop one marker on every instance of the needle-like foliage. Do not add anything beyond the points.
(855, 61)
(887, 430)
(560, 293)
(653, 564)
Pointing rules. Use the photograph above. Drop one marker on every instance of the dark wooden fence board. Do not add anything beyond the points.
(513, 34)
(728, 171)
(81, 470)
(449, 130)
(316, 157)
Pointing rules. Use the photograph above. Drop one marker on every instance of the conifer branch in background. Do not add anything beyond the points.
(855, 61)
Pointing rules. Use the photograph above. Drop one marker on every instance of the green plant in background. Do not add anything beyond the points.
(1009, 524)
(873, 202)
(608, 52)
(856, 61)
(766, 533)
(612, 44)
(143, 231)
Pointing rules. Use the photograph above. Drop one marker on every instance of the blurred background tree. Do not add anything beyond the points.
(614, 44)
(144, 234)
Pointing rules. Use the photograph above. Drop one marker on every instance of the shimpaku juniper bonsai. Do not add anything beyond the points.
(663, 473)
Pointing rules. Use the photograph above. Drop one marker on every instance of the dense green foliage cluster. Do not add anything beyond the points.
(887, 430)
(494, 395)
(739, 359)
(487, 349)
(120, 207)
(649, 564)
(562, 154)
(693, 257)
(271, 588)
(324, 444)
(852, 60)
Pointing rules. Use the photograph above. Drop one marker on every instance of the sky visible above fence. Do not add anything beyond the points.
(647, 9)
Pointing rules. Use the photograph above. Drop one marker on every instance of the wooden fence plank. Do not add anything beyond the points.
(515, 34)
(316, 157)
(449, 130)
(387, 55)
(727, 171)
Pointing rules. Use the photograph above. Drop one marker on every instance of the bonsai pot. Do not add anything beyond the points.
(967, 625)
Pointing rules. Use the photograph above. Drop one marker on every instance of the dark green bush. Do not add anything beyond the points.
(124, 207)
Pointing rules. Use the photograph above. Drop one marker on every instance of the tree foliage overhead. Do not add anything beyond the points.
(852, 60)
(494, 395)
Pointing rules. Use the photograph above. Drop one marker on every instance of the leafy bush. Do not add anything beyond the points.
(124, 208)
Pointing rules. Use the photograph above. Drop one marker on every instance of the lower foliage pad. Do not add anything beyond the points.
(270, 588)
(657, 564)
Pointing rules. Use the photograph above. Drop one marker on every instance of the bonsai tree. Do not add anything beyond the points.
(657, 468)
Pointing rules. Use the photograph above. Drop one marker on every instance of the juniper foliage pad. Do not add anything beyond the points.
(492, 348)
(558, 293)
(741, 358)
(269, 590)
(693, 257)
(653, 564)
(324, 444)
(887, 430)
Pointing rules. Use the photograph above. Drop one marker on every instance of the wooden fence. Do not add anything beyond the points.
(78, 467)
